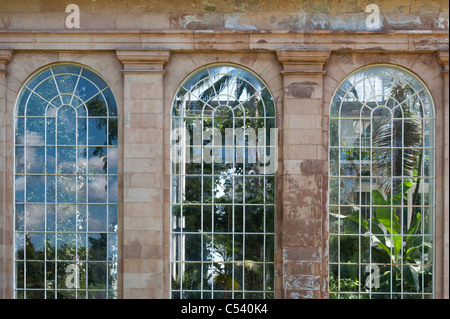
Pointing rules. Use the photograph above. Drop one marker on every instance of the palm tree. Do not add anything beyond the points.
(398, 143)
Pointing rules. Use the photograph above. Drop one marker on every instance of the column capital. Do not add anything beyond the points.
(444, 60)
(5, 57)
(303, 61)
(143, 60)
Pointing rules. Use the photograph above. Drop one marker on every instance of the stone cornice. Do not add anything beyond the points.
(444, 60)
(5, 57)
(186, 40)
(303, 61)
(143, 60)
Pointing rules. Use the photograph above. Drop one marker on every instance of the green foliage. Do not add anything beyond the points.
(404, 251)
(345, 284)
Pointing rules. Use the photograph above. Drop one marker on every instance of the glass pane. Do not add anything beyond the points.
(35, 159)
(66, 160)
(35, 276)
(85, 89)
(35, 217)
(207, 218)
(254, 219)
(97, 189)
(47, 90)
(97, 218)
(113, 131)
(82, 131)
(223, 218)
(35, 128)
(66, 246)
(66, 132)
(192, 218)
(97, 246)
(111, 102)
(97, 106)
(66, 188)
(35, 189)
(51, 131)
(270, 219)
(97, 131)
(253, 244)
(112, 189)
(66, 217)
(51, 218)
(97, 275)
(66, 83)
(254, 190)
(193, 189)
(82, 217)
(19, 217)
(97, 160)
(192, 247)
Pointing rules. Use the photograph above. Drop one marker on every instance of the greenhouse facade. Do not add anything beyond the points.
(224, 149)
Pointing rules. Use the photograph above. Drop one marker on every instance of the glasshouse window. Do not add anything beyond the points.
(223, 186)
(381, 186)
(66, 186)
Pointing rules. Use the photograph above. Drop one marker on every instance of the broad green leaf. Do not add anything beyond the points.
(398, 197)
(355, 216)
(378, 198)
(412, 249)
(386, 249)
(411, 275)
(387, 217)
(412, 230)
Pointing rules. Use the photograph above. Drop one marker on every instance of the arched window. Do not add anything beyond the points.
(65, 186)
(223, 186)
(381, 186)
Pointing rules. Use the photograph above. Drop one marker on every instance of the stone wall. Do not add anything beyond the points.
(248, 15)
(301, 49)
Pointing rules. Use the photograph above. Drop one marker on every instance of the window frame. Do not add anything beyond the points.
(430, 176)
(109, 220)
(203, 292)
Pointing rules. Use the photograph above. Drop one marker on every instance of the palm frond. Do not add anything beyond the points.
(397, 143)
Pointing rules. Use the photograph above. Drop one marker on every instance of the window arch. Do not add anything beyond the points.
(223, 162)
(65, 238)
(381, 186)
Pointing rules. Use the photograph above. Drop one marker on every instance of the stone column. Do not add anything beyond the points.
(142, 227)
(305, 175)
(5, 273)
(444, 60)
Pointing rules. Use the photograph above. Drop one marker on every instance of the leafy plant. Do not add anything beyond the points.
(403, 251)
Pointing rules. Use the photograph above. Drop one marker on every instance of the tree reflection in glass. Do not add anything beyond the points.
(222, 186)
(66, 157)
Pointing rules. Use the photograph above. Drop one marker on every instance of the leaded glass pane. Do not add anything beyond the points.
(222, 187)
(63, 247)
(381, 186)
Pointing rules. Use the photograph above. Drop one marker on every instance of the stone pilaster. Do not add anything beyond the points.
(142, 227)
(5, 273)
(304, 176)
(444, 60)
